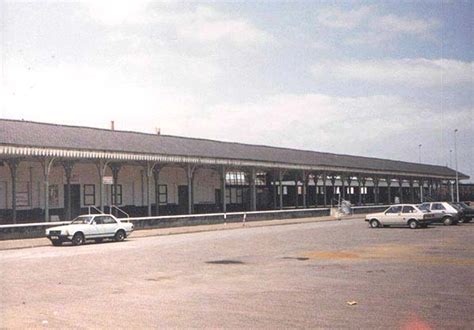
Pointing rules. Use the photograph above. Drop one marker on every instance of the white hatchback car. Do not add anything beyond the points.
(93, 226)
(444, 212)
(400, 215)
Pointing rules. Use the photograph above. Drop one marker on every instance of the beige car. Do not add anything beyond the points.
(400, 215)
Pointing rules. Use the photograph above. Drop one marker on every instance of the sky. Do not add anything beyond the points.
(371, 78)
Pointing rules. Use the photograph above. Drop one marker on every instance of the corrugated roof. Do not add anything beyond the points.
(34, 134)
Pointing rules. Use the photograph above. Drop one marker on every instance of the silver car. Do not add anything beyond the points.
(444, 212)
(400, 215)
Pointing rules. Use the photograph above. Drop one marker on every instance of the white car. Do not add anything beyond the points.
(93, 226)
(400, 215)
(445, 213)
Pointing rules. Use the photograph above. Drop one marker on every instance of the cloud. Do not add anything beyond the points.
(339, 19)
(407, 25)
(418, 72)
(209, 25)
(200, 23)
(369, 26)
(114, 12)
(378, 126)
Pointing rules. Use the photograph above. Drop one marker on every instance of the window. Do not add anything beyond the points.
(261, 179)
(23, 194)
(119, 195)
(108, 221)
(424, 207)
(163, 194)
(234, 196)
(89, 194)
(394, 209)
(236, 179)
(408, 209)
(285, 190)
(53, 196)
(438, 206)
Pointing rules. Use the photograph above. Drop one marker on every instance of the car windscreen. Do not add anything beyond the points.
(424, 207)
(81, 220)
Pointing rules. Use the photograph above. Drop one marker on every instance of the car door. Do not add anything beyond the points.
(392, 214)
(407, 214)
(438, 209)
(110, 226)
(96, 227)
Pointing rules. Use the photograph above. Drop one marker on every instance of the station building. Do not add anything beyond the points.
(55, 172)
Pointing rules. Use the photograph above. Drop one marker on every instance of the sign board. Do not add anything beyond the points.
(108, 180)
(22, 199)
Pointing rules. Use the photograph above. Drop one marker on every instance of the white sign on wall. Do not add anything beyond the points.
(108, 180)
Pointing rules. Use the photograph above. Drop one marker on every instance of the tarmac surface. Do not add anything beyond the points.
(333, 274)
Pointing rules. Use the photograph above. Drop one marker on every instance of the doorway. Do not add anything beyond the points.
(75, 200)
(183, 199)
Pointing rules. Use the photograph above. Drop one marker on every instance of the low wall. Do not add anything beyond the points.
(35, 230)
(30, 230)
(216, 218)
(368, 209)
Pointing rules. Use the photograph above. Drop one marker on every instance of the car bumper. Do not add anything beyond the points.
(62, 238)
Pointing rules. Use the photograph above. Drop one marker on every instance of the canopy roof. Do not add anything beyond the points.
(17, 133)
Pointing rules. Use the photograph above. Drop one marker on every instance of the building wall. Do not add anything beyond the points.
(133, 179)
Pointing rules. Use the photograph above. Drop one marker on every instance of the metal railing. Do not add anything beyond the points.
(94, 208)
(115, 207)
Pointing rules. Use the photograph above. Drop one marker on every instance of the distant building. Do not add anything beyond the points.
(50, 171)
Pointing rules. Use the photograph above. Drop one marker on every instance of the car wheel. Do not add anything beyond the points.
(447, 221)
(374, 223)
(119, 236)
(413, 224)
(57, 242)
(78, 239)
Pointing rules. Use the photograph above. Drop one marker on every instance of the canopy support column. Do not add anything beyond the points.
(253, 189)
(304, 181)
(223, 189)
(190, 169)
(156, 178)
(324, 177)
(68, 167)
(280, 179)
(47, 164)
(13, 165)
(115, 168)
(375, 180)
(388, 180)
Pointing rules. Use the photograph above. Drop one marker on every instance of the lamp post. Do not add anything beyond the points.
(420, 182)
(456, 164)
(419, 153)
(451, 188)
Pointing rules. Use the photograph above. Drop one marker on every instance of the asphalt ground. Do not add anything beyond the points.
(294, 276)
